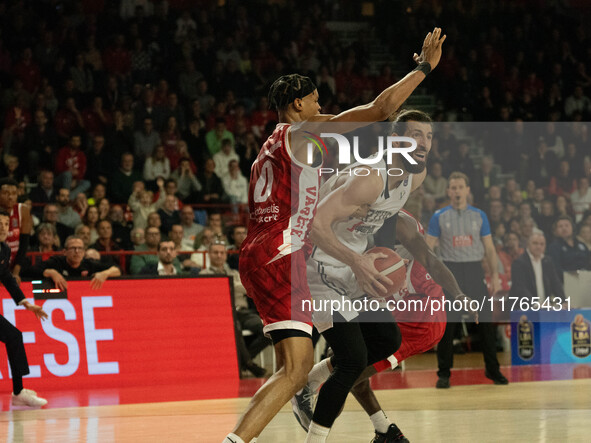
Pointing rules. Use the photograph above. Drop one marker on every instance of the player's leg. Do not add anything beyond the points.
(349, 360)
(295, 358)
(386, 431)
(17, 357)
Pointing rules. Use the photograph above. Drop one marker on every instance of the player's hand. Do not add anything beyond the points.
(37, 310)
(98, 280)
(431, 51)
(466, 301)
(368, 277)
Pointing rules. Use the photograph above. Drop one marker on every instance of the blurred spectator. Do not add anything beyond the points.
(83, 232)
(145, 141)
(563, 206)
(238, 236)
(50, 215)
(546, 218)
(581, 198)
(584, 235)
(202, 242)
(190, 228)
(121, 228)
(70, 165)
(100, 163)
(170, 137)
(104, 207)
(435, 184)
(123, 179)
(47, 242)
(66, 215)
(45, 191)
(188, 185)
(91, 219)
(168, 214)
(568, 253)
(534, 274)
(235, 184)
(140, 202)
(154, 221)
(484, 178)
(541, 164)
(139, 262)
(212, 188)
(578, 102)
(41, 142)
(217, 135)
(509, 252)
(176, 236)
(80, 204)
(562, 183)
(138, 237)
(223, 158)
(157, 165)
(105, 243)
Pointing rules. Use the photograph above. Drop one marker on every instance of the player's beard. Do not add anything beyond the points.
(414, 169)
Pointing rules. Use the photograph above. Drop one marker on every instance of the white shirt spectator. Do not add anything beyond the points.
(156, 168)
(222, 159)
(236, 188)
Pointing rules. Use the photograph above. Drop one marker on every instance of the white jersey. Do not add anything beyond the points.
(354, 233)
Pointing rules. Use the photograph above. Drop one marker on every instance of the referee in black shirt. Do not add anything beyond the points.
(11, 336)
(464, 237)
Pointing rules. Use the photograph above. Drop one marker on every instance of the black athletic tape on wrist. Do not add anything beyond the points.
(424, 67)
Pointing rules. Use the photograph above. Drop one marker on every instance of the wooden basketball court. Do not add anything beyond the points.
(544, 411)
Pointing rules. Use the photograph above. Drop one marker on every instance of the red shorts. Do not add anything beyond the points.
(417, 337)
(279, 290)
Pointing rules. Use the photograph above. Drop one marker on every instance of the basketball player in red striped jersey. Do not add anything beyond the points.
(21, 225)
(283, 195)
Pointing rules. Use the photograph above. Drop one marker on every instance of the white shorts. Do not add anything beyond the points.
(332, 283)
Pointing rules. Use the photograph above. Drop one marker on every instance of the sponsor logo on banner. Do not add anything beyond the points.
(581, 336)
(525, 338)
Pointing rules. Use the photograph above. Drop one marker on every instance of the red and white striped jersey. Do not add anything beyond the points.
(282, 199)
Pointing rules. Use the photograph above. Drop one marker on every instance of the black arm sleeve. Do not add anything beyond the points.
(6, 277)
(386, 235)
(23, 247)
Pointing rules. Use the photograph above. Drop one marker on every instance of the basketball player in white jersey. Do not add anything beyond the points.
(351, 209)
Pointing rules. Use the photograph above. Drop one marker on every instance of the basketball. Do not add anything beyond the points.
(392, 267)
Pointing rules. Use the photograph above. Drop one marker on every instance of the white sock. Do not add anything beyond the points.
(232, 438)
(317, 433)
(318, 375)
(380, 421)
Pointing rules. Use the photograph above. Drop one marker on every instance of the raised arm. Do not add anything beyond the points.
(390, 100)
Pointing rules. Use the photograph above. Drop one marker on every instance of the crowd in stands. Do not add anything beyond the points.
(130, 122)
